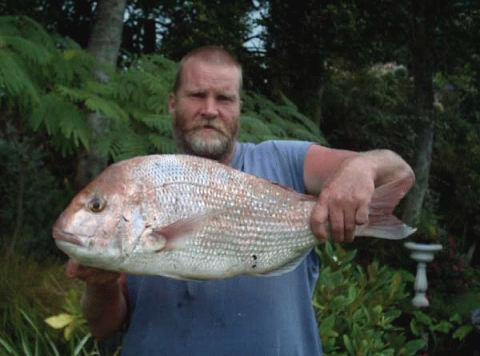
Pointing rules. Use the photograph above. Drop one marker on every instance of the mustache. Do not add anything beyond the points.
(210, 124)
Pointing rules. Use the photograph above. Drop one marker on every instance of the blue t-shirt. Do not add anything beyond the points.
(239, 316)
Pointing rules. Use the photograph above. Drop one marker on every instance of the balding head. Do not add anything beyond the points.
(213, 55)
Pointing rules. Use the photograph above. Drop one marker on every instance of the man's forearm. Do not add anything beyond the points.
(387, 166)
(105, 308)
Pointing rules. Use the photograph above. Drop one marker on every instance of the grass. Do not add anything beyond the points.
(30, 292)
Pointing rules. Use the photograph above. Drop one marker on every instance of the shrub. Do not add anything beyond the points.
(358, 308)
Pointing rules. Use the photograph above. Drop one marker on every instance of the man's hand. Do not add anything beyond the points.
(91, 276)
(343, 204)
(104, 302)
(345, 182)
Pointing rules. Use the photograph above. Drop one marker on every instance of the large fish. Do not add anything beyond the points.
(192, 218)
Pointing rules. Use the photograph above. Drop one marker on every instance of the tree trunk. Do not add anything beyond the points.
(104, 44)
(414, 200)
(422, 63)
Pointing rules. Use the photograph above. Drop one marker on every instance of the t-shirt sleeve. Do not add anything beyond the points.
(283, 162)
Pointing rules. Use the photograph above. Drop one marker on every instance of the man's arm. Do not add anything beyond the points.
(345, 182)
(104, 302)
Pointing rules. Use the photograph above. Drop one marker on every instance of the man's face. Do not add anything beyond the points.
(206, 110)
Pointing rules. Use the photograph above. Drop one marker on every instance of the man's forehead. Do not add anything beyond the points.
(202, 75)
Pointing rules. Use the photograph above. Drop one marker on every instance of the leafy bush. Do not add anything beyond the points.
(31, 198)
(358, 309)
(366, 311)
(446, 335)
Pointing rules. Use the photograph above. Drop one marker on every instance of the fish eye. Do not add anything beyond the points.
(96, 205)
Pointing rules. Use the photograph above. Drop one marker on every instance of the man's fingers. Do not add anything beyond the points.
(318, 222)
(71, 269)
(337, 221)
(361, 215)
(90, 275)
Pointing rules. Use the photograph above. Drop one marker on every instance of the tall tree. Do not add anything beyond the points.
(294, 49)
(104, 44)
(422, 29)
(187, 25)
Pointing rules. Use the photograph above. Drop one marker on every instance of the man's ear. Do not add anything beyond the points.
(171, 103)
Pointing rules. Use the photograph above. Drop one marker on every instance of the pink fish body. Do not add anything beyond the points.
(186, 217)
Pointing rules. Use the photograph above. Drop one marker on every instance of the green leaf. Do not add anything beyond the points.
(81, 344)
(59, 321)
(413, 346)
(9, 348)
(415, 328)
(443, 326)
(462, 332)
(347, 342)
(327, 326)
(423, 318)
(455, 318)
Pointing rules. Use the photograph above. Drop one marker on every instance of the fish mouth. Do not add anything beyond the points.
(65, 236)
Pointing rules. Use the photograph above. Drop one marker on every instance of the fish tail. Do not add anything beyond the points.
(381, 221)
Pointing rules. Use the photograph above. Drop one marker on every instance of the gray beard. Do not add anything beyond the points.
(217, 149)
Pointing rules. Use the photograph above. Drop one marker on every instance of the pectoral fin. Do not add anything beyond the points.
(176, 236)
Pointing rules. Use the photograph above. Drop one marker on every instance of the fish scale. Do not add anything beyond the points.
(186, 217)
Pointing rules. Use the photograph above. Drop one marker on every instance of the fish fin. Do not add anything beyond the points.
(288, 267)
(176, 234)
(381, 222)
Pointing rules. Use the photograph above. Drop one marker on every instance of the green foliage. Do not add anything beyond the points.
(31, 197)
(29, 292)
(367, 311)
(358, 309)
(187, 25)
(263, 119)
(442, 332)
(458, 137)
(370, 109)
(135, 99)
(34, 89)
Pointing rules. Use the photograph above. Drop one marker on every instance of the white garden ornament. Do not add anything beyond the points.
(423, 254)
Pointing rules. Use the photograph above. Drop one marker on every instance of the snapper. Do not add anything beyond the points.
(191, 218)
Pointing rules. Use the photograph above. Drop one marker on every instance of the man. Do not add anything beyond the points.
(241, 315)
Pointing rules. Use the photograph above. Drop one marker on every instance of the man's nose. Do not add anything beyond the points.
(209, 108)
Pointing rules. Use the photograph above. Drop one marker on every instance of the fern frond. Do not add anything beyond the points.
(95, 103)
(161, 144)
(106, 108)
(283, 120)
(28, 29)
(128, 145)
(61, 117)
(74, 94)
(161, 123)
(30, 51)
(74, 67)
(255, 125)
(15, 80)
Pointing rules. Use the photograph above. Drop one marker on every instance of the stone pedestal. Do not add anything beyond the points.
(423, 254)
